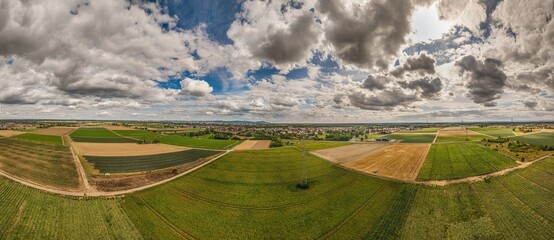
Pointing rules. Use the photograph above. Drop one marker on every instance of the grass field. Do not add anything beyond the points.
(44, 164)
(496, 132)
(451, 161)
(540, 139)
(461, 138)
(178, 140)
(31, 214)
(42, 139)
(413, 138)
(311, 145)
(98, 135)
(127, 164)
(421, 130)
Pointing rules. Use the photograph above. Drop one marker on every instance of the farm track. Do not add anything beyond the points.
(82, 174)
(352, 216)
(293, 204)
(173, 227)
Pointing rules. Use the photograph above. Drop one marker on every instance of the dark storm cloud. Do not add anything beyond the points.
(368, 35)
(423, 64)
(289, 45)
(485, 80)
(429, 88)
(375, 82)
(385, 100)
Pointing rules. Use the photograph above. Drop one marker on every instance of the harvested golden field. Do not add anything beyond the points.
(348, 153)
(113, 128)
(9, 133)
(253, 145)
(54, 131)
(261, 144)
(123, 149)
(399, 161)
(459, 132)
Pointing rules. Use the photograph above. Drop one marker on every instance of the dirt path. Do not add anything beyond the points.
(80, 169)
(95, 193)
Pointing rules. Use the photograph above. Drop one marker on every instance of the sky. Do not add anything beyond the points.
(369, 61)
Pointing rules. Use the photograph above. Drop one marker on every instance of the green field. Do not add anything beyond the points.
(310, 145)
(461, 138)
(42, 139)
(147, 162)
(32, 214)
(452, 161)
(98, 135)
(421, 130)
(496, 132)
(248, 195)
(41, 163)
(413, 138)
(178, 140)
(540, 139)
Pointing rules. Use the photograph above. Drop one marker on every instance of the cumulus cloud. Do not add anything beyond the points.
(373, 82)
(367, 35)
(423, 64)
(196, 88)
(91, 49)
(485, 80)
(385, 100)
(429, 88)
(530, 103)
(288, 45)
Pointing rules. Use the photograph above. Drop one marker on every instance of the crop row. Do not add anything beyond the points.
(147, 162)
(32, 214)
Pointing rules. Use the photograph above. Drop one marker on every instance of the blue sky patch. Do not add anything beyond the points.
(218, 15)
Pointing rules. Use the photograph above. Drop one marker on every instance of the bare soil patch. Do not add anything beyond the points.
(348, 153)
(123, 149)
(461, 132)
(399, 161)
(54, 131)
(9, 133)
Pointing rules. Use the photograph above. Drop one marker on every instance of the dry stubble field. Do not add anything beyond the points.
(253, 145)
(124, 149)
(348, 153)
(9, 133)
(400, 161)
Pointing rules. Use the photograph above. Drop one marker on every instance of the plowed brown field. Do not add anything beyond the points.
(348, 153)
(54, 131)
(400, 161)
(123, 149)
